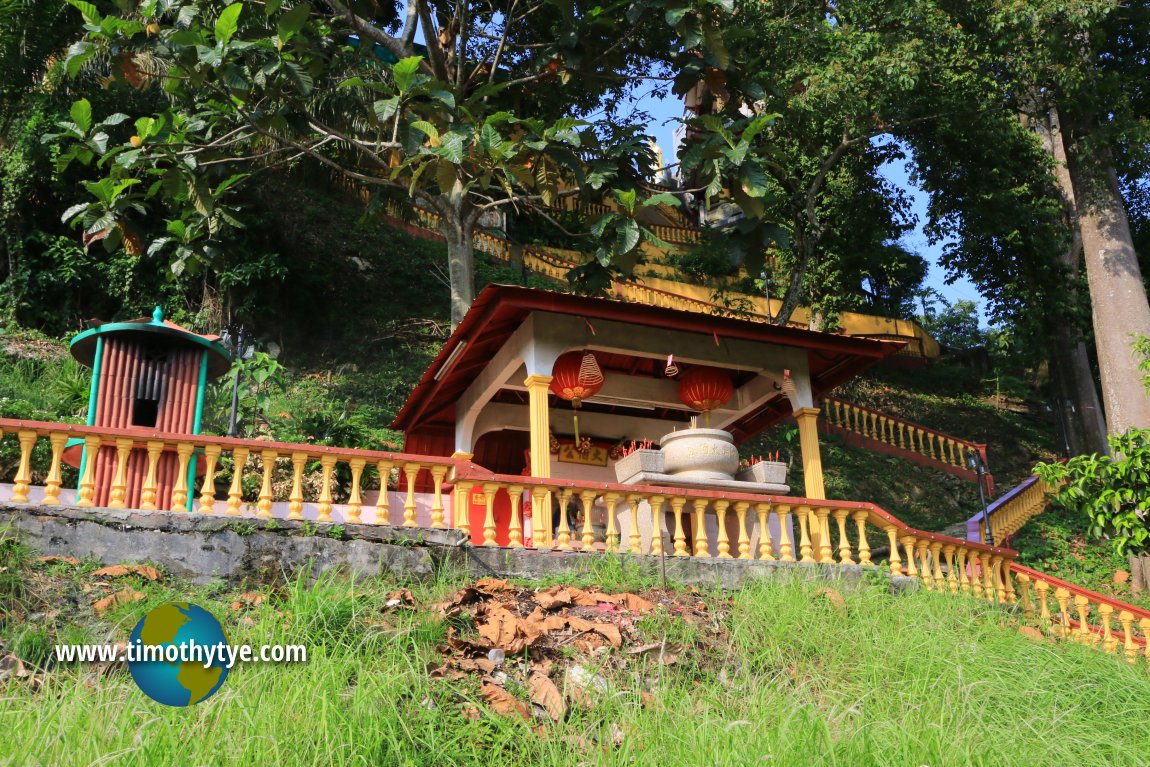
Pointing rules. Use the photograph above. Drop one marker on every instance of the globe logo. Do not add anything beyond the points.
(169, 654)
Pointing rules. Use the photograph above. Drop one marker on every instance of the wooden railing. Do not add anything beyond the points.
(897, 436)
(1083, 616)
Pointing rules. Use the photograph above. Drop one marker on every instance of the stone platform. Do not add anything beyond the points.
(678, 480)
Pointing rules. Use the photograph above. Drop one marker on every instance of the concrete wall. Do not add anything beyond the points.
(200, 548)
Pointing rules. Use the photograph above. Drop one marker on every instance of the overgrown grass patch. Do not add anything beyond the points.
(874, 679)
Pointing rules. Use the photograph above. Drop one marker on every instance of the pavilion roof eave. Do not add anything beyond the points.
(500, 309)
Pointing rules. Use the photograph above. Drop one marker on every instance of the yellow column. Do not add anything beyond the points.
(807, 419)
(540, 420)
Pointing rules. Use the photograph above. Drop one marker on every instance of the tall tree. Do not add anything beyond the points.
(796, 94)
(480, 116)
(1085, 65)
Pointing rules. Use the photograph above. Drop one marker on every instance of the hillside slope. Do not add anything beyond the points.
(780, 672)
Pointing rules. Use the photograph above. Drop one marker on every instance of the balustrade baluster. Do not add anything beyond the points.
(611, 500)
(677, 505)
(23, 481)
(806, 551)
(1024, 587)
(838, 413)
(184, 452)
(355, 497)
(786, 533)
(744, 541)
(988, 586)
(977, 573)
(437, 475)
(52, 484)
(1144, 624)
(936, 555)
(924, 563)
(1129, 648)
(1109, 642)
(824, 549)
(951, 577)
(1082, 605)
(963, 578)
(208, 489)
(845, 557)
(564, 529)
(1041, 591)
(236, 490)
(588, 498)
(930, 442)
(383, 502)
(264, 506)
(411, 473)
(883, 421)
(723, 544)
(489, 491)
(656, 525)
(148, 490)
(634, 538)
(893, 559)
(1008, 583)
(295, 500)
(515, 527)
(908, 542)
(540, 525)
(860, 518)
(1062, 596)
(762, 513)
(119, 489)
(702, 545)
(324, 504)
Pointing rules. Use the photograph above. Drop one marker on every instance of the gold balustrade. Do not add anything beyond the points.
(1014, 509)
(1071, 613)
(639, 519)
(948, 452)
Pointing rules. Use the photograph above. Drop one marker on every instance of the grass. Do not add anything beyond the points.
(908, 680)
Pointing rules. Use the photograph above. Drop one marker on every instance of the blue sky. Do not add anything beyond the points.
(665, 112)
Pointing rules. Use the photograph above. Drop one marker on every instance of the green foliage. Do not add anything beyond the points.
(459, 123)
(956, 325)
(1110, 490)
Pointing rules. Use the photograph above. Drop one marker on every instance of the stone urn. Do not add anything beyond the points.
(700, 454)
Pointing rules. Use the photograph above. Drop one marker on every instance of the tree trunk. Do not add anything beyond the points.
(1080, 406)
(1081, 410)
(457, 230)
(804, 248)
(1121, 311)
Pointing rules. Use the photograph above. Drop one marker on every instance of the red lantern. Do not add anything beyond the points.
(576, 377)
(705, 389)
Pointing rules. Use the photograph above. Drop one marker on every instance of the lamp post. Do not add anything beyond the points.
(975, 463)
(235, 337)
